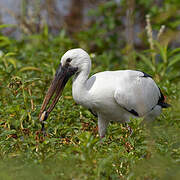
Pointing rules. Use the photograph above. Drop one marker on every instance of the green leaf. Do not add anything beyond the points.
(146, 61)
(172, 52)
(12, 61)
(160, 67)
(30, 68)
(163, 51)
(10, 54)
(149, 51)
(31, 80)
(46, 31)
(4, 41)
(175, 77)
(174, 60)
(6, 26)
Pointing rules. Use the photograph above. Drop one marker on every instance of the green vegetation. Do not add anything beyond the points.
(71, 149)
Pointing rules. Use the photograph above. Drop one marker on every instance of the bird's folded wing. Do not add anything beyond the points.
(138, 96)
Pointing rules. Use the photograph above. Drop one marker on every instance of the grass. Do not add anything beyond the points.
(71, 149)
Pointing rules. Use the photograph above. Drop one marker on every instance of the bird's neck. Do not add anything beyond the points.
(79, 90)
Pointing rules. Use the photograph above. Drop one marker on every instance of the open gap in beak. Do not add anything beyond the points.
(55, 90)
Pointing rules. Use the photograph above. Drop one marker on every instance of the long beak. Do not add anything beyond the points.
(61, 77)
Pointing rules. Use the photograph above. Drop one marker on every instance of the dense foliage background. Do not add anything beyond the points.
(71, 149)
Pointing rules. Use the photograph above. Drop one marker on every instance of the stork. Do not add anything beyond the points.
(110, 95)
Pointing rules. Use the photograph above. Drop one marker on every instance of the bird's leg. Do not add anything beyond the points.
(102, 126)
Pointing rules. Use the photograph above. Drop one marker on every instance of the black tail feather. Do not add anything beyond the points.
(161, 100)
(164, 105)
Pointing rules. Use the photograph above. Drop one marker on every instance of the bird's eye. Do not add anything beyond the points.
(68, 60)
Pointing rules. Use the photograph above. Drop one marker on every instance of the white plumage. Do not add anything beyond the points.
(113, 95)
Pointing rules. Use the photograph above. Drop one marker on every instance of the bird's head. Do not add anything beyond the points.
(76, 58)
(72, 62)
